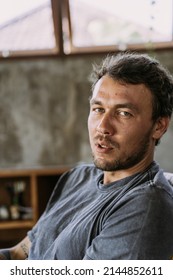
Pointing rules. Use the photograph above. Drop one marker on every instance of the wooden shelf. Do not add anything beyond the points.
(39, 184)
(15, 224)
(33, 171)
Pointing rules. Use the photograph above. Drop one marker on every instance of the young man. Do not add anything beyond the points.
(120, 207)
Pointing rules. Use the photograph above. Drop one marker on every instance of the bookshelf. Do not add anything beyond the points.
(24, 194)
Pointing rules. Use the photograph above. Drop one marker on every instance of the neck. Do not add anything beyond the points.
(112, 176)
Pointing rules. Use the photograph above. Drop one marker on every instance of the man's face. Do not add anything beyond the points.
(120, 124)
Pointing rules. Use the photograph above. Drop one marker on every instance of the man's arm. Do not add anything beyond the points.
(5, 254)
(18, 252)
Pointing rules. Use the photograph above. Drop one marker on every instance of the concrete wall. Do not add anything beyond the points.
(44, 109)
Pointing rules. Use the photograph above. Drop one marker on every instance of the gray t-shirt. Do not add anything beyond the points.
(84, 219)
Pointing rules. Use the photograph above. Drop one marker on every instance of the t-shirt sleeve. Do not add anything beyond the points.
(139, 229)
(32, 234)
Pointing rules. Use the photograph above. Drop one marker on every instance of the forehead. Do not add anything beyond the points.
(112, 91)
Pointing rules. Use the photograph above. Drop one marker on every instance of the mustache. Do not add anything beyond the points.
(106, 139)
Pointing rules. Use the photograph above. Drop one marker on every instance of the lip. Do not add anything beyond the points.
(103, 148)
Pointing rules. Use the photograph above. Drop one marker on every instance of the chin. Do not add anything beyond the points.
(105, 165)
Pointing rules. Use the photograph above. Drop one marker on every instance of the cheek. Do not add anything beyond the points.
(90, 129)
(131, 135)
(136, 136)
(91, 124)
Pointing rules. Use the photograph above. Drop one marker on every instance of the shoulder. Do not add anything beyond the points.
(156, 192)
(169, 177)
(164, 181)
(154, 184)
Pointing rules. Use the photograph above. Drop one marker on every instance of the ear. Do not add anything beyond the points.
(160, 127)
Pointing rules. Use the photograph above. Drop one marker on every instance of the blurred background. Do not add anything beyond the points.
(47, 49)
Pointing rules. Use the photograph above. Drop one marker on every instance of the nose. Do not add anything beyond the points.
(105, 125)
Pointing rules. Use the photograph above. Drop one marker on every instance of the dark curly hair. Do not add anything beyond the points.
(134, 68)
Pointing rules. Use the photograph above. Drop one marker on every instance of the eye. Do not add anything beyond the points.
(98, 110)
(125, 114)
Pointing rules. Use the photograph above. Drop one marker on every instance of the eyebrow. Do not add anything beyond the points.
(94, 101)
(128, 105)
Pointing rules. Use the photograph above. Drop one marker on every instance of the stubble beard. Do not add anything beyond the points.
(128, 161)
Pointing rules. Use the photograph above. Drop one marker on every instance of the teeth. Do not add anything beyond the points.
(103, 146)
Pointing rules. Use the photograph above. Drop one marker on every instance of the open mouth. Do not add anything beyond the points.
(103, 147)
